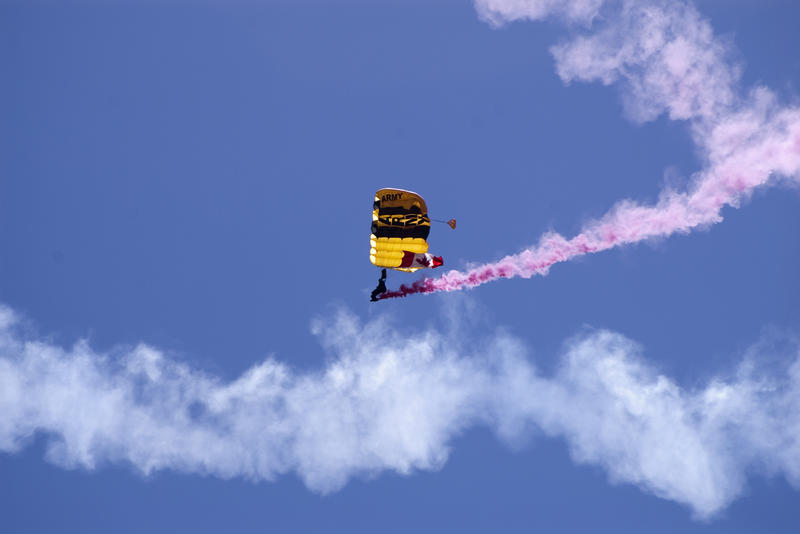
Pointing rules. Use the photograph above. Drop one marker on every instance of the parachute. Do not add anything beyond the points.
(400, 228)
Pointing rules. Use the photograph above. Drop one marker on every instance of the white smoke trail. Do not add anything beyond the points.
(388, 400)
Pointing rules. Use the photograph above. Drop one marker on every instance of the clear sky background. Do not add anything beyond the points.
(199, 178)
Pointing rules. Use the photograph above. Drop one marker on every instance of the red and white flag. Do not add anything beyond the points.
(420, 260)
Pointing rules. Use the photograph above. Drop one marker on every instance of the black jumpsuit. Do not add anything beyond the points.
(381, 287)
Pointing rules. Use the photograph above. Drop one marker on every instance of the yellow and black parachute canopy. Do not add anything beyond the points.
(400, 223)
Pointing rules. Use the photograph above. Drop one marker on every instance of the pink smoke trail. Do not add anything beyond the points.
(665, 58)
(745, 152)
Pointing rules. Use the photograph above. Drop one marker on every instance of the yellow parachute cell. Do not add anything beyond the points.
(400, 224)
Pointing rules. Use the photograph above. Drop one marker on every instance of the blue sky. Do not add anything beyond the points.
(185, 191)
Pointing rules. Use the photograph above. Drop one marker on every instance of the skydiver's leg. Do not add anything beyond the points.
(381, 287)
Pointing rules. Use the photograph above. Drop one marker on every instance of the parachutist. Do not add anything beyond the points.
(381, 287)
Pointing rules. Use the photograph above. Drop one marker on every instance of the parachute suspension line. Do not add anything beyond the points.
(451, 223)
